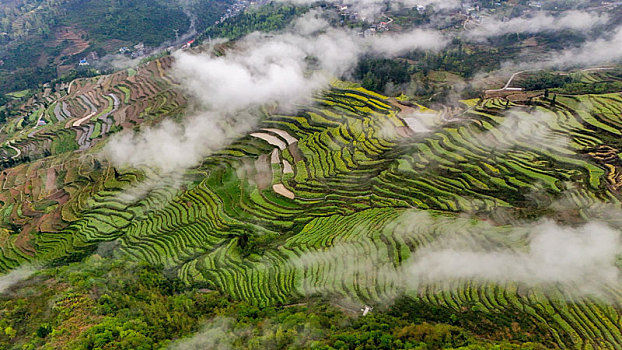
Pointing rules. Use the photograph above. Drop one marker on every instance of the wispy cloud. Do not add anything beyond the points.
(582, 258)
(372, 8)
(17, 275)
(283, 69)
(218, 334)
(172, 147)
(544, 255)
(529, 129)
(540, 22)
(602, 51)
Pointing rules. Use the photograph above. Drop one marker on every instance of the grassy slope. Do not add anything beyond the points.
(116, 304)
(356, 183)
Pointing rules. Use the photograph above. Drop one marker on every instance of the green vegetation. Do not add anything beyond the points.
(65, 142)
(114, 304)
(545, 80)
(599, 81)
(42, 37)
(266, 18)
(589, 88)
(151, 22)
(358, 179)
(375, 74)
(414, 74)
(149, 84)
(280, 247)
(18, 94)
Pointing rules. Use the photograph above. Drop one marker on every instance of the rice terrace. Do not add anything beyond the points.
(311, 183)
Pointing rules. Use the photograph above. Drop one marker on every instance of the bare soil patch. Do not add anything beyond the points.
(73, 37)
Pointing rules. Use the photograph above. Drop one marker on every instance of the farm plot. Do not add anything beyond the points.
(323, 201)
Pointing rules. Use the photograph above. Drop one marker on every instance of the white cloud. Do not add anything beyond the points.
(531, 129)
(218, 334)
(540, 22)
(17, 275)
(583, 257)
(582, 261)
(283, 69)
(603, 50)
(393, 44)
(372, 8)
(172, 147)
(259, 71)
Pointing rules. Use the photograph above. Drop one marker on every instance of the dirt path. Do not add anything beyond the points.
(284, 134)
(508, 88)
(50, 180)
(275, 155)
(283, 191)
(16, 150)
(93, 111)
(271, 139)
(69, 88)
(507, 85)
(274, 158)
(597, 69)
(287, 167)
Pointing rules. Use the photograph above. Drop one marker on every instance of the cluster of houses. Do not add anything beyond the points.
(377, 28)
(535, 4)
(187, 45)
(611, 4)
(139, 49)
(468, 8)
(238, 7)
(350, 14)
(136, 51)
(347, 13)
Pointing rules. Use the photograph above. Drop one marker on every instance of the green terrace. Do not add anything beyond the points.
(280, 214)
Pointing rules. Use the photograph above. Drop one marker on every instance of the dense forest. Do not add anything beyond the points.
(124, 305)
(42, 39)
(266, 18)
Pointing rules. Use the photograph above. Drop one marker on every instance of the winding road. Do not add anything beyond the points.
(16, 150)
(507, 85)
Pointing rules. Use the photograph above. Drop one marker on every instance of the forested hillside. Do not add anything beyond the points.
(42, 39)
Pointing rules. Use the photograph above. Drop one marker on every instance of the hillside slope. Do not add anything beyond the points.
(334, 200)
(42, 39)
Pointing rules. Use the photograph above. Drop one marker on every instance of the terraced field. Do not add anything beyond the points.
(596, 75)
(89, 109)
(45, 184)
(332, 200)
